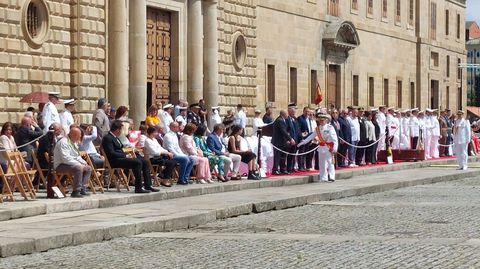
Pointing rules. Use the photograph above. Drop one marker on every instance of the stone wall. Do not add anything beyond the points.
(237, 87)
(71, 60)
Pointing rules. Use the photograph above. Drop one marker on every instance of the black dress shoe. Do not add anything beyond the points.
(76, 194)
(84, 193)
(284, 173)
(252, 176)
(152, 189)
(182, 183)
(142, 191)
(276, 173)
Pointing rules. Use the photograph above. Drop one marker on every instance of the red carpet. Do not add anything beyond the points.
(348, 168)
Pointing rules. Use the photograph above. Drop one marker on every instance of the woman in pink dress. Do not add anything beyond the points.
(188, 146)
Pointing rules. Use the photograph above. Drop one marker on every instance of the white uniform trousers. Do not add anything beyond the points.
(461, 152)
(381, 143)
(325, 164)
(434, 153)
(426, 146)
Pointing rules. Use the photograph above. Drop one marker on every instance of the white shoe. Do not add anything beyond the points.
(201, 181)
(323, 181)
(464, 168)
(209, 180)
(352, 165)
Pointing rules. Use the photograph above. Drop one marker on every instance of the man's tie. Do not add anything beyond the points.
(309, 125)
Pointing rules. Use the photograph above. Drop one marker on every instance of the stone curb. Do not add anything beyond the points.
(97, 232)
(97, 201)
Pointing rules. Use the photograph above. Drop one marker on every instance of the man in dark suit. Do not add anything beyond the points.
(118, 159)
(345, 134)
(305, 126)
(280, 139)
(267, 118)
(363, 138)
(27, 134)
(294, 131)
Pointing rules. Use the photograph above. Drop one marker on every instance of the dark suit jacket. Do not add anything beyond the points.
(113, 148)
(280, 134)
(346, 131)
(302, 122)
(293, 128)
(363, 130)
(25, 135)
(337, 130)
(267, 119)
(214, 144)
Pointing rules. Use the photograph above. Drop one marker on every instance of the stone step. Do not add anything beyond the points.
(42, 206)
(44, 232)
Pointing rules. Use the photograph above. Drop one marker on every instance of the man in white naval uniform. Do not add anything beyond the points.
(382, 123)
(214, 118)
(328, 145)
(166, 117)
(434, 152)
(461, 139)
(414, 128)
(50, 112)
(428, 125)
(405, 130)
(393, 124)
(66, 117)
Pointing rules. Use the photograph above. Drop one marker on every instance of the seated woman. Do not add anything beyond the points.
(213, 159)
(159, 156)
(7, 144)
(248, 157)
(122, 115)
(89, 134)
(188, 147)
(153, 120)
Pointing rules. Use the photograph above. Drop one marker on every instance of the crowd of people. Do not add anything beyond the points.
(203, 147)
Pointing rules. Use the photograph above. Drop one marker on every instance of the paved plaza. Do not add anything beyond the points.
(426, 226)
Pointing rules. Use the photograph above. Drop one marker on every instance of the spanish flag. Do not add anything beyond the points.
(319, 96)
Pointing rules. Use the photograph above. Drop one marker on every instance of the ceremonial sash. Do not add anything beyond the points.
(323, 142)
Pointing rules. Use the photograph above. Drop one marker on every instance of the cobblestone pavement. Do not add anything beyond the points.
(430, 226)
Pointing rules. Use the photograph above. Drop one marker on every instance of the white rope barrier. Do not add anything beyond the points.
(296, 154)
(26, 144)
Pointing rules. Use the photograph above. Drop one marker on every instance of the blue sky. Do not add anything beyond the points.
(473, 10)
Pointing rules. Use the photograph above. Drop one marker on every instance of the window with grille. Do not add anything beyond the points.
(398, 11)
(459, 70)
(384, 8)
(370, 7)
(355, 91)
(333, 7)
(458, 26)
(271, 83)
(313, 85)
(386, 93)
(448, 66)
(293, 84)
(399, 93)
(412, 94)
(433, 21)
(371, 91)
(33, 20)
(448, 96)
(411, 12)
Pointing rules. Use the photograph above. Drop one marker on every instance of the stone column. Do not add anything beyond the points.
(117, 53)
(138, 60)
(210, 52)
(195, 51)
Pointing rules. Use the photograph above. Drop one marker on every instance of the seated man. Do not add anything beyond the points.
(66, 158)
(26, 134)
(160, 156)
(118, 159)
(44, 144)
(214, 143)
(170, 142)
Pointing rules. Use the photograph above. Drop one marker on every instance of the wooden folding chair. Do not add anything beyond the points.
(40, 171)
(116, 175)
(154, 170)
(58, 178)
(6, 191)
(23, 177)
(95, 183)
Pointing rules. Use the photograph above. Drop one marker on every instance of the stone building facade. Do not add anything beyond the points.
(140, 52)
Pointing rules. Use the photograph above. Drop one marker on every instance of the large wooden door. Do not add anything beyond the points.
(333, 86)
(158, 55)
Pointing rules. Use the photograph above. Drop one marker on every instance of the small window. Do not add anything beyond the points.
(459, 70)
(355, 94)
(333, 7)
(398, 11)
(411, 12)
(239, 51)
(386, 93)
(412, 94)
(370, 7)
(384, 8)
(434, 59)
(371, 91)
(271, 83)
(433, 21)
(35, 22)
(399, 94)
(293, 84)
(447, 93)
(447, 22)
(448, 66)
(355, 4)
(458, 26)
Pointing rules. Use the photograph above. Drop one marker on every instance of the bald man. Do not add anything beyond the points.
(67, 159)
(281, 141)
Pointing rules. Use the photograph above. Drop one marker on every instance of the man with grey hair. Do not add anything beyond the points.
(100, 120)
(281, 140)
